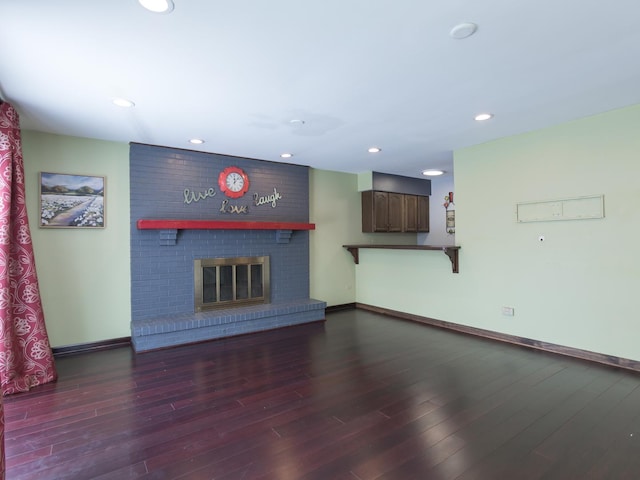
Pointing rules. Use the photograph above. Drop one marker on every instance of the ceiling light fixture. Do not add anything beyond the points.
(157, 6)
(432, 173)
(374, 150)
(123, 102)
(196, 141)
(463, 30)
(483, 116)
(286, 155)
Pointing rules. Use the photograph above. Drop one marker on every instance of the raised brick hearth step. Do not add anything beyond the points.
(172, 330)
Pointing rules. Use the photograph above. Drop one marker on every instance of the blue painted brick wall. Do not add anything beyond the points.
(162, 275)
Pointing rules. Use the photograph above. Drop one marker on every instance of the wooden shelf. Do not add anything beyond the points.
(450, 251)
(153, 224)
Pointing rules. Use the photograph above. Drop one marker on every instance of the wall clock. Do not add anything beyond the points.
(233, 182)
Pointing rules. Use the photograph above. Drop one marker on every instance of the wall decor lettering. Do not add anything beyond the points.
(192, 196)
(226, 207)
(271, 199)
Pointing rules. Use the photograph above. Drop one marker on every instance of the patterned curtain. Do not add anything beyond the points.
(2, 469)
(26, 359)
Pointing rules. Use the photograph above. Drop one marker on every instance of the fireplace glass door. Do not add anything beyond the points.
(224, 282)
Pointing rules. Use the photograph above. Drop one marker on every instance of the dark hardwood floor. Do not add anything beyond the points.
(360, 396)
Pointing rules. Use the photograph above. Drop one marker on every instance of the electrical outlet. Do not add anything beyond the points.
(508, 311)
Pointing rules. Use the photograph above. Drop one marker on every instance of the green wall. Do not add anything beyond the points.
(578, 287)
(334, 206)
(83, 273)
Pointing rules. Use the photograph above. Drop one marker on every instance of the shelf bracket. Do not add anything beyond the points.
(355, 253)
(452, 253)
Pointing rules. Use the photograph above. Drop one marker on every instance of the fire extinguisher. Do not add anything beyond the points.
(450, 213)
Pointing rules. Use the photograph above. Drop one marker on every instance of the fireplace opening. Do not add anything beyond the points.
(225, 282)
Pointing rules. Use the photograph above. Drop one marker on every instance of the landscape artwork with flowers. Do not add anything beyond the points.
(71, 201)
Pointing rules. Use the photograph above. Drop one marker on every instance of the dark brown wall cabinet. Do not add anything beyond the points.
(394, 212)
(423, 214)
(410, 213)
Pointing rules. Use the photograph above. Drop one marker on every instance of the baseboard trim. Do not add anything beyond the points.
(503, 337)
(339, 308)
(91, 347)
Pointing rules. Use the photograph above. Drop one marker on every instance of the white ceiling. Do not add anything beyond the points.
(358, 72)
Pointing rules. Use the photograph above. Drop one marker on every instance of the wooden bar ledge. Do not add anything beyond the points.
(450, 251)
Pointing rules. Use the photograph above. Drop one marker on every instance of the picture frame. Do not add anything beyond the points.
(72, 201)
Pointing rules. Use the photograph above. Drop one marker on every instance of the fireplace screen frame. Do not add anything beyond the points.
(219, 263)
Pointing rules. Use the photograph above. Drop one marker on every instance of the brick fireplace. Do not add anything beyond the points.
(179, 215)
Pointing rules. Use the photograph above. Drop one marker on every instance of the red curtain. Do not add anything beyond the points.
(2, 469)
(26, 359)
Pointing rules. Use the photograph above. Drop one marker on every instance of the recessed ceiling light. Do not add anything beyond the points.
(286, 155)
(463, 30)
(432, 173)
(196, 141)
(157, 6)
(374, 150)
(483, 116)
(123, 102)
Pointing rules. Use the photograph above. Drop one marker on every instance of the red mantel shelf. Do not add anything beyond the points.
(152, 224)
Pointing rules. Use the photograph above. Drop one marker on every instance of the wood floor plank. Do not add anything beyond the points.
(359, 397)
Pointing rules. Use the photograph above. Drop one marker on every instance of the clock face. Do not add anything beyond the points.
(233, 182)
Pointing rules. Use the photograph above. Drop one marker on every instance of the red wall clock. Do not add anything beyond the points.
(233, 182)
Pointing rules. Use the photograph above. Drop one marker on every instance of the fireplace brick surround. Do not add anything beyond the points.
(162, 272)
(171, 330)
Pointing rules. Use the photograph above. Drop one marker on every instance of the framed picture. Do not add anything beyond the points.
(71, 201)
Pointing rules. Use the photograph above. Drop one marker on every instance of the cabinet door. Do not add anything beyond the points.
(381, 202)
(367, 211)
(375, 211)
(396, 212)
(410, 213)
(423, 214)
